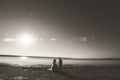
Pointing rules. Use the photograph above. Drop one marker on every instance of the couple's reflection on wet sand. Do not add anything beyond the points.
(70, 75)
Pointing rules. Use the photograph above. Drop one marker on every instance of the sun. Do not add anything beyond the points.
(25, 39)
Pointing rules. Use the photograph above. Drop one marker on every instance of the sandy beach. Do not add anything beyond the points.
(70, 72)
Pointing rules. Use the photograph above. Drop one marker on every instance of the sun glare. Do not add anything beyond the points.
(26, 39)
(23, 58)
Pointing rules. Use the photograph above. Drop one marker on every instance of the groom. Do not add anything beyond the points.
(60, 63)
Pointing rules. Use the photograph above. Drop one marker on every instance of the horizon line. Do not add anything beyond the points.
(94, 58)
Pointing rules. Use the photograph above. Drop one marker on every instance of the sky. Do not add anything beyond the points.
(65, 28)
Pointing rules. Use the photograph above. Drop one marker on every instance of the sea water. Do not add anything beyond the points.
(48, 61)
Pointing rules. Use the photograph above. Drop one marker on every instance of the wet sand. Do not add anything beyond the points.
(70, 72)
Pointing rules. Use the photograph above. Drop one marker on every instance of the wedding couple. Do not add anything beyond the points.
(57, 67)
